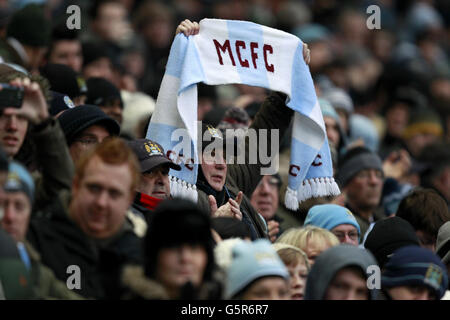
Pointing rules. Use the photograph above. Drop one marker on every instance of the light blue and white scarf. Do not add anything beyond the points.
(226, 52)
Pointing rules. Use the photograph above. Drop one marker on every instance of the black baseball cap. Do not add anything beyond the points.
(150, 154)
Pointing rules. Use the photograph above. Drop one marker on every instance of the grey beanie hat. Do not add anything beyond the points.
(354, 161)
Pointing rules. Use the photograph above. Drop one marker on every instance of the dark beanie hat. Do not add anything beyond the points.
(74, 121)
(416, 266)
(64, 79)
(30, 26)
(354, 161)
(93, 51)
(388, 235)
(101, 92)
(210, 135)
(176, 222)
(59, 102)
(228, 227)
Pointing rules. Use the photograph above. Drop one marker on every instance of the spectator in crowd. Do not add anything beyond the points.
(14, 276)
(443, 243)
(265, 199)
(360, 177)
(64, 80)
(256, 273)
(88, 227)
(340, 273)
(154, 184)
(105, 95)
(312, 240)
(84, 127)
(65, 48)
(424, 128)
(97, 62)
(178, 264)
(436, 172)
(19, 189)
(27, 37)
(426, 211)
(30, 135)
(296, 262)
(337, 219)
(427, 280)
(388, 235)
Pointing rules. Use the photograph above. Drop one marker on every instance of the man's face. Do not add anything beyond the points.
(347, 284)
(215, 170)
(346, 233)
(156, 182)
(67, 52)
(114, 110)
(17, 210)
(411, 293)
(181, 264)
(13, 129)
(364, 189)
(298, 274)
(100, 68)
(101, 198)
(268, 288)
(265, 197)
(87, 140)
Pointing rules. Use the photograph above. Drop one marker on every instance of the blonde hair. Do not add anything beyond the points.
(290, 254)
(302, 237)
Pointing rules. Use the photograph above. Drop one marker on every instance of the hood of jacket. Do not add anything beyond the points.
(330, 262)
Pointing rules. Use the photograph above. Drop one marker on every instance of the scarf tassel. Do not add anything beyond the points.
(311, 188)
(181, 189)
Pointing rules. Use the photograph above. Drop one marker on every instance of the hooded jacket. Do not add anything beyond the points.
(330, 262)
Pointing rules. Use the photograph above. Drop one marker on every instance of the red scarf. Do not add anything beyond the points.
(148, 202)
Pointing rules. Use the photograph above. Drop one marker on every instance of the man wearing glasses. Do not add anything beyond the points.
(84, 127)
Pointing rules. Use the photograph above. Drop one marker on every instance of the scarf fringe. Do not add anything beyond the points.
(290, 199)
(181, 189)
(311, 188)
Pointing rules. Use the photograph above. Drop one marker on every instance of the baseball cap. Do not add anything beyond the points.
(150, 154)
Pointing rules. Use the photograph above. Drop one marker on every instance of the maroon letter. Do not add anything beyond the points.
(317, 162)
(226, 46)
(268, 47)
(291, 170)
(240, 43)
(253, 46)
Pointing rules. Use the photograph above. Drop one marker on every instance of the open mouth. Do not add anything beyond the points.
(297, 296)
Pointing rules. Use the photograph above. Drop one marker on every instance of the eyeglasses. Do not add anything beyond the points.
(272, 181)
(353, 235)
(87, 141)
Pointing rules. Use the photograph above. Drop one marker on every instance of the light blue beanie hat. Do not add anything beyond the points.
(251, 261)
(19, 180)
(329, 216)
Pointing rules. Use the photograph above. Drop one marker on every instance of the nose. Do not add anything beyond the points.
(102, 199)
(8, 214)
(12, 123)
(185, 253)
(374, 178)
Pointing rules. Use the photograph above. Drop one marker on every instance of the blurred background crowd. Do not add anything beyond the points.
(384, 95)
